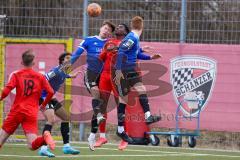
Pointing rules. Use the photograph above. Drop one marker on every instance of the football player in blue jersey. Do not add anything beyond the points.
(127, 76)
(56, 77)
(93, 46)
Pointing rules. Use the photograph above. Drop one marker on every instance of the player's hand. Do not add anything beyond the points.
(156, 56)
(111, 47)
(118, 77)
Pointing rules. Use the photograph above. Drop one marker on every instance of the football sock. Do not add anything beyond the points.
(121, 114)
(38, 142)
(143, 99)
(96, 103)
(65, 132)
(92, 135)
(102, 126)
(47, 127)
(94, 125)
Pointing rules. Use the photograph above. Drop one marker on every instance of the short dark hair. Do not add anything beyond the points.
(126, 27)
(137, 23)
(110, 24)
(28, 57)
(62, 56)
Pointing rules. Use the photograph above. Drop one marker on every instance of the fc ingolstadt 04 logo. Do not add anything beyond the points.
(192, 78)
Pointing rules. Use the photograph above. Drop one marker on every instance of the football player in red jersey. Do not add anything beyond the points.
(29, 85)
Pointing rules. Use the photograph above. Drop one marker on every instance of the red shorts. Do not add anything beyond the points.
(106, 84)
(14, 118)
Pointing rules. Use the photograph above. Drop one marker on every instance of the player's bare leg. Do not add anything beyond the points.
(62, 114)
(143, 99)
(3, 137)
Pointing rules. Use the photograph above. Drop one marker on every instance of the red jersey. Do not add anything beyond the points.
(29, 85)
(108, 54)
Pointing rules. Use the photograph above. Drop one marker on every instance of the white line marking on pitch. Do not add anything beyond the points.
(133, 150)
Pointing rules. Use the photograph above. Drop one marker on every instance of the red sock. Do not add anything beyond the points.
(38, 142)
(0, 146)
(102, 126)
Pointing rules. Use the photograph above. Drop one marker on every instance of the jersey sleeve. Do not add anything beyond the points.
(124, 47)
(46, 86)
(127, 44)
(84, 44)
(141, 55)
(10, 85)
(81, 48)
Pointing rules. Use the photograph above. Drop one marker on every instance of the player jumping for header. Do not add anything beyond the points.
(128, 77)
(93, 46)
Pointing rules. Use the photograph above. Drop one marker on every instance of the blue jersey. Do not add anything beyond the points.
(56, 77)
(93, 46)
(129, 51)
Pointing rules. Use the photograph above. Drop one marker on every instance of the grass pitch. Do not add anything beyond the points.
(19, 151)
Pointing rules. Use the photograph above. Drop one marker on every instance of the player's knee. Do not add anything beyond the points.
(51, 120)
(50, 116)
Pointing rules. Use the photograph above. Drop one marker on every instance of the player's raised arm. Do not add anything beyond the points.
(143, 56)
(81, 48)
(10, 85)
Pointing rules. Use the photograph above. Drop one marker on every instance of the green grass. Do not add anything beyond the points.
(110, 152)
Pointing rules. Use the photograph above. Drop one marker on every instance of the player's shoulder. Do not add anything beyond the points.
(131, 36)
(37, 75)
(16, 72)
(90, 38)
(20, 72)
(41, 75)
(55, 68)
